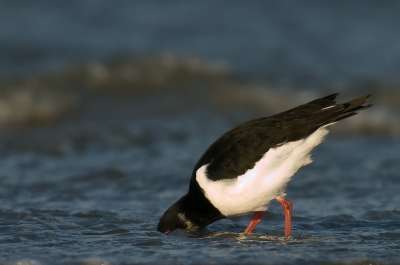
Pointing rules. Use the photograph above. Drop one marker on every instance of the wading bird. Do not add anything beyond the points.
(250, 165)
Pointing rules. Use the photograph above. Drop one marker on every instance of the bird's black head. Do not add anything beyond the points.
(175, 218)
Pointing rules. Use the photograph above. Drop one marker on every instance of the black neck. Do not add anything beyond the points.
(198, 209)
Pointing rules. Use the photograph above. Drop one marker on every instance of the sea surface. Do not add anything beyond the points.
(106, 106)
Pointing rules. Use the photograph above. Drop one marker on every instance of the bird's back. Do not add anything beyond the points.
(239, 149)
(260, 156)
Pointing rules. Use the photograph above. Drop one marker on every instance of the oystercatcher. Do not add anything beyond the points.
(250, 165)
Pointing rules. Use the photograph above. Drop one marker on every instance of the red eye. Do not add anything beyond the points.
(167, 231)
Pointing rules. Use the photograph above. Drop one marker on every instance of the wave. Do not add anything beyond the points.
(52, 97)
(24, 106)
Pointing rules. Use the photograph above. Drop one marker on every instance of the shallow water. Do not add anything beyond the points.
(91, 192)
(105, 109)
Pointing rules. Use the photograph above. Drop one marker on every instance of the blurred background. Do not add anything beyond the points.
(56, 57)
(105, 106)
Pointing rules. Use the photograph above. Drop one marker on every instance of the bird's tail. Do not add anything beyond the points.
(350, 107)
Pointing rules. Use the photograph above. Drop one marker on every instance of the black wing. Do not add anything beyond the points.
(239, 149)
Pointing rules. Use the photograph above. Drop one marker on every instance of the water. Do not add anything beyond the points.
(105, 109)
(91, 191)
(305, 43)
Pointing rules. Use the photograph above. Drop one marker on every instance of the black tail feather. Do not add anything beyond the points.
(352, 107)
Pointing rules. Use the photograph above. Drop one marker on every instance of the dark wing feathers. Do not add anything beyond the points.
(240, 148)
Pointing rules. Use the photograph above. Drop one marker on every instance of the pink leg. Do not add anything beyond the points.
(287, 210)
(254, 222)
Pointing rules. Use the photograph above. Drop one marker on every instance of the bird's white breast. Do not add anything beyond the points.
(266, 181)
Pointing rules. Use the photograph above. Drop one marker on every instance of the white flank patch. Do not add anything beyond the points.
(254, 190)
